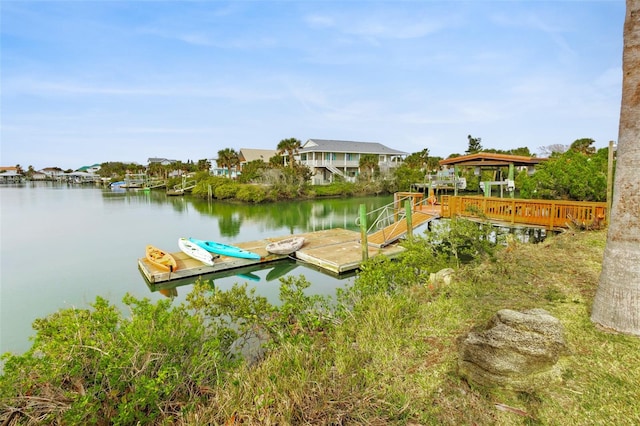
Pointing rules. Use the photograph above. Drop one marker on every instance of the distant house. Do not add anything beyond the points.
(52, 172)
(216, 170)
(10, 174)
(89, 169)
(82, 177)
(328, 158)
(38, 175)
(162, 161)
(248, 155)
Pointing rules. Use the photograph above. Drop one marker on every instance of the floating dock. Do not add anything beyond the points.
(333, 250)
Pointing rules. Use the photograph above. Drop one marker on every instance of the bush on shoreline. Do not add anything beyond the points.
(222, 188)
(383, 351)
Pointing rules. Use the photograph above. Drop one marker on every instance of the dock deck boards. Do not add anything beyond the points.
(335, 250)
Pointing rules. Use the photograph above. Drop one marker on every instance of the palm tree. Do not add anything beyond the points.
(617, 301)
(228, 158)
(291, 147)
(368, 162)
(474, 145)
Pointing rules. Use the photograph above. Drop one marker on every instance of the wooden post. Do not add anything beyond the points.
(609, 181)
(512, 177)
(407, 210)
(455, 181)
(487, 189)
(363, 232)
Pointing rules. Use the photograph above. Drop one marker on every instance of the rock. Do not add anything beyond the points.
(518, 350)
(443, 276)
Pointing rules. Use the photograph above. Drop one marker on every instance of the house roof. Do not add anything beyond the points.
(160, 160)
(85, 168)
(324, 145)
(490, 159)
(249, 154)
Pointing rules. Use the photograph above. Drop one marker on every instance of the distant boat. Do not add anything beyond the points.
(116, 184)
(225, 249)
(161, 258)
(286, 246)
(195, 251)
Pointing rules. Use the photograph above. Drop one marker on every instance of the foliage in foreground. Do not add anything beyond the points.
(382, 352)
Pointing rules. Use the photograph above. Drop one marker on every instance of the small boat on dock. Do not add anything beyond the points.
(225, 249)
(161, 258)
(286, 246)
(195, 251)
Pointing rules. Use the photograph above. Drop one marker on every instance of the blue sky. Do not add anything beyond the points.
(86, 82)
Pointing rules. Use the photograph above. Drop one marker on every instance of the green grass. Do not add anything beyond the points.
(393, 360)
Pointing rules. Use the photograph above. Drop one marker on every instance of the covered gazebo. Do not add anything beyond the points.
(492, 161)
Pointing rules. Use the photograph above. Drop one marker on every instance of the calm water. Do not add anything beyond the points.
(61, 246)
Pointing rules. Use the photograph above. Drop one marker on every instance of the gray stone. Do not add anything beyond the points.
(443, 276)
(518, 350)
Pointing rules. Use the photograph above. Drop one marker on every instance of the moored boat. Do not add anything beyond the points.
(286, 246)
(161, 258)
(195, 251)
(225, 249)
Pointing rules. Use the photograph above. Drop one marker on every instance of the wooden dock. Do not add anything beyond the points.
(333, 250)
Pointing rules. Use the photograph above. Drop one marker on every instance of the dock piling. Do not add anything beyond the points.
(363, 232)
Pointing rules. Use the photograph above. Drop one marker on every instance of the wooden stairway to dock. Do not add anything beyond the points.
(395, 231)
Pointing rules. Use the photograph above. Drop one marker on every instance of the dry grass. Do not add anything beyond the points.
(394, 360)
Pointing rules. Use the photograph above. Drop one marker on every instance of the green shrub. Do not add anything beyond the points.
(251, 193)
(207, 184)
(226, 191)
(95, 364)
(335, 189)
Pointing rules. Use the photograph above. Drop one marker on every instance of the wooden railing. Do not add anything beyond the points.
(549, 214)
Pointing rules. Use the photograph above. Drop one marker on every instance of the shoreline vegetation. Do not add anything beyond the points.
(381, 351)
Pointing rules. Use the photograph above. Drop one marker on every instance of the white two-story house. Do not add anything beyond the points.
(328, 158)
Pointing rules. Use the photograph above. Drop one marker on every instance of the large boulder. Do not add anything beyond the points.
(518, 351)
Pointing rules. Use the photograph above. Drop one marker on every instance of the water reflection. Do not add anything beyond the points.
(265, 278)
(295, 216)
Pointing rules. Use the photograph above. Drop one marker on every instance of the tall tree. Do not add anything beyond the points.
(204, 165)
(227, 159)
(418, 160)
(617, 301)
(291, 147)
(549, 150)
(368, 163)
(584, 146)
(474, 145)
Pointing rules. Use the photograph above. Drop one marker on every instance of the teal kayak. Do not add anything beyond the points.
(225, 249)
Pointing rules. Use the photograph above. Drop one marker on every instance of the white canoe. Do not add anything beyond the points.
(286, 246)
(195, 251)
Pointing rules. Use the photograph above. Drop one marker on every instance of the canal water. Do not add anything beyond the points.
(61, 246)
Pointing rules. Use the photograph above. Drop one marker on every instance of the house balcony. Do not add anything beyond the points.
(333, 163)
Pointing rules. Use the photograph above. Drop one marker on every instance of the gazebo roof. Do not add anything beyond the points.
(490, 159)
